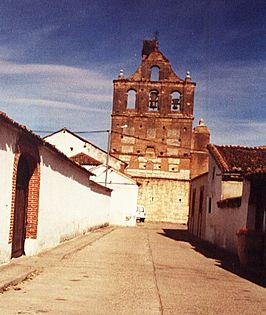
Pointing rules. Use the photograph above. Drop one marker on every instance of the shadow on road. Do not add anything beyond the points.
(223, 259)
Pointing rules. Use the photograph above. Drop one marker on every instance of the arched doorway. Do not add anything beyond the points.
(21, 201)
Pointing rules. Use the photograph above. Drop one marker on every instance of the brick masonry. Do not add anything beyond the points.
(28, 149)
(157, 140)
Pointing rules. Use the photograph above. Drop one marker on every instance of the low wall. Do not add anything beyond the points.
(69, 204)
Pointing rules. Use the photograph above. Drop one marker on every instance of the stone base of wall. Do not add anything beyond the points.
(165, 200)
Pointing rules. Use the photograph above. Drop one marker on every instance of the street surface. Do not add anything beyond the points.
(142, 270)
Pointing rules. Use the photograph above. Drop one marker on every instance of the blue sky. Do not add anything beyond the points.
(58, 59)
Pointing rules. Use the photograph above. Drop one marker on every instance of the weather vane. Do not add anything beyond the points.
(156, 38)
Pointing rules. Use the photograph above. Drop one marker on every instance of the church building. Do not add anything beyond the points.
(152, 132)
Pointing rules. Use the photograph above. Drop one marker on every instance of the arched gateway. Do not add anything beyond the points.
(25, 196)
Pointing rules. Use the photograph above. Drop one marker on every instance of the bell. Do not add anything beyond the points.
(175, 103)
(153, 104)
(153, 100)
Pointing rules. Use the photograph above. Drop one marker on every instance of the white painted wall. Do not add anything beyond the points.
(124, 195)
(7, 141)
(67, 143)
(223, 223)
(197, 222)
(69, 203)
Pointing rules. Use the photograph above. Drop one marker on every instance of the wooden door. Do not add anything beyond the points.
(20, 209)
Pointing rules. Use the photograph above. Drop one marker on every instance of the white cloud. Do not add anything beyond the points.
(238, 132)
(40, 85)
(48, 97)
(65, 73)
(51, 104)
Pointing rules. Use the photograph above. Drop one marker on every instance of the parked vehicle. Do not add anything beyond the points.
(140, 213)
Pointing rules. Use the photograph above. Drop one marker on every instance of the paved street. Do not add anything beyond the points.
(150, 269)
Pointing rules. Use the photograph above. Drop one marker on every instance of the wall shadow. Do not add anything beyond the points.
(224, 259)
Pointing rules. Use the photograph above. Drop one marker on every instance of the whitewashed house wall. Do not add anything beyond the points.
(7, 144)
(223, 223)
(124, 195)
(69, 203)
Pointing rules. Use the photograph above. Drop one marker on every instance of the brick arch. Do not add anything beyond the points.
(176, 100)
(155, 72)
(131, 98)
(30, 152)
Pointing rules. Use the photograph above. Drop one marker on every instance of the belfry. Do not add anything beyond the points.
(152, 132)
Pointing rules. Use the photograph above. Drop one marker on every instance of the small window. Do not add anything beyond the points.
(154, 100)
(175, 102)
(210, 205)
(155, 73)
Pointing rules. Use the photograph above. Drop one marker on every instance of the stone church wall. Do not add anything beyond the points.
(161, 204)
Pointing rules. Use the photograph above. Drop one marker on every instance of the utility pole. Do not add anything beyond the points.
(107, 156)
(109, 131)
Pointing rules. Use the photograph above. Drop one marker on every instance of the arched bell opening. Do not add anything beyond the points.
(131, 99)
(155, 73)
(176, 101)
(154, 100)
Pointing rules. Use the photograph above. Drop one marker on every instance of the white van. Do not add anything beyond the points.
(140, 213)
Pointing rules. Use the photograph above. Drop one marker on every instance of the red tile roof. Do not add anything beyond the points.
(85, 159)
(238, 159)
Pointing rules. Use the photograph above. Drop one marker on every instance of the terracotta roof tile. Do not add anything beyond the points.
(239, 159)
(85, 159)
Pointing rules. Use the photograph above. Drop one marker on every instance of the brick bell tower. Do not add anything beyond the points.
(152, 131)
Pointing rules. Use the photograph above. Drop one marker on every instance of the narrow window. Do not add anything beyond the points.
(193, 202)
(175, 102)
(213, 173)
(131, 99)
(155, 71)
(210, 205)
(201, 199)
(154, 100)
